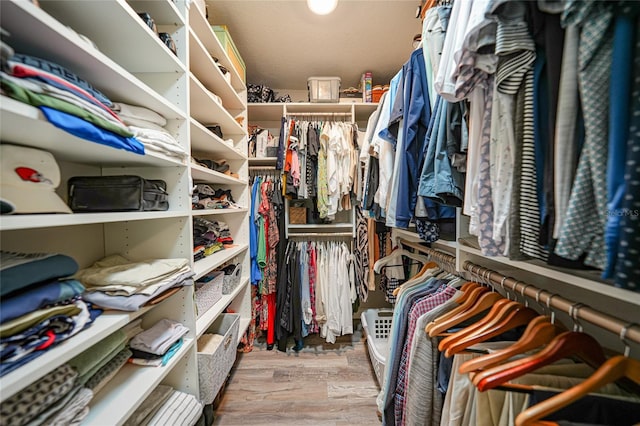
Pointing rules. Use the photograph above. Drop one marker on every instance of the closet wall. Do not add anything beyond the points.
(130, 64)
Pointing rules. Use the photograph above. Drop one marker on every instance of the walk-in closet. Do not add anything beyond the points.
(320, 212)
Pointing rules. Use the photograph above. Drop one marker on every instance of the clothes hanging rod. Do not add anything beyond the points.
(318, 114)
(577, 311)
(321, 234)
(437, 255)
(262, 168)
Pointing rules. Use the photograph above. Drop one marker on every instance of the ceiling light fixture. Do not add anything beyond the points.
(322, 7)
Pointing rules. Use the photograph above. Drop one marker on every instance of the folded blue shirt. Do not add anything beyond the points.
(38, 297)
(85, 130)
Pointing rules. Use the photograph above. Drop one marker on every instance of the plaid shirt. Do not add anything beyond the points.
(421, 307)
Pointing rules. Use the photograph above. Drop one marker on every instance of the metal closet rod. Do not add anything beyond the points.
(577, 311)
(436, 255)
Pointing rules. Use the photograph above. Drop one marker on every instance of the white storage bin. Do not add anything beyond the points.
(214, 364)
(377, 324)
(324, 89)
(209, 293)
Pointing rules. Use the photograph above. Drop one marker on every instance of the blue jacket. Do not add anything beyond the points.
(416, 115)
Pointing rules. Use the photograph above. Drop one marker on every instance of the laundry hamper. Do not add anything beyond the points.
(377, 324)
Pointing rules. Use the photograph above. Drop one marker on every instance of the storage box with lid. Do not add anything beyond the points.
(216, 355)
(232, 51)
(324, 89)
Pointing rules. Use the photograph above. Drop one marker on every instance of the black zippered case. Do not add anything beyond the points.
(88, 194)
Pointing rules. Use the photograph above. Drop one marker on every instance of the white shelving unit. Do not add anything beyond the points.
(269, 115)
(133, 66)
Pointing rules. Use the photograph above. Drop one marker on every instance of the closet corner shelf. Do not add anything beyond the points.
(103, 326)
(202, 140)
(18, 116)
(206, 319)
(209, 212)
(129, 388)
(205, 34)
(208, 73)
(583, 279)
(203, 174)
(206, 109)
(15, 222)
(204, 266)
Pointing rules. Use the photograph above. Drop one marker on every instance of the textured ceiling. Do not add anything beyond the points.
(282, 43)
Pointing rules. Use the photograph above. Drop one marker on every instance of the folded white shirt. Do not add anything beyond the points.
(139, 112)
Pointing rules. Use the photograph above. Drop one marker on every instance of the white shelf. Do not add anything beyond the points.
(265, 161)
(203, 174)
(49, 39)
(205, 34)
(14, 222)
(328, 227)
(128, 389)
(207, 318)
(204, 266)
(164, 12)
(113, 32)
(103, 326)
(206, 70)
(207, 110)
(569, 276)
(202, 140)
(209, 212)
(18, 116)
(308, 107)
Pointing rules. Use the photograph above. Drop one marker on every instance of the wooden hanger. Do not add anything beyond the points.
(475, 304)
(416, 279)
(500, 304)
(470, 296)
(466, 289)
(520, 316)
(564, 345)
(539, 332)
(610, 371)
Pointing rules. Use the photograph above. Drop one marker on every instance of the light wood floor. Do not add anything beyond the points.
(322, 385)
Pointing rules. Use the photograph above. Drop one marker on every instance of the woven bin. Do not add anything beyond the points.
(209, 293)
(297, 215)
(232, 279)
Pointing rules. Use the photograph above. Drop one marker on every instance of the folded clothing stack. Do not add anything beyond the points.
(55, 399)
(39, 306)
(207, 197)
(148, 127)
(157, 345)
(166, 406)
(209, 237)
(116, 282)
(67, 101)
